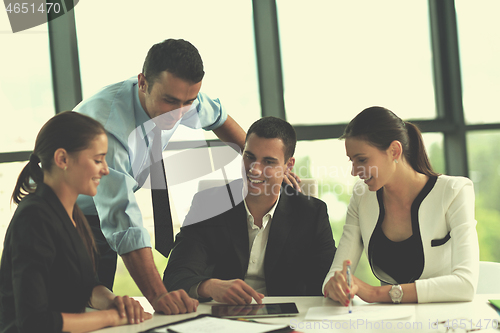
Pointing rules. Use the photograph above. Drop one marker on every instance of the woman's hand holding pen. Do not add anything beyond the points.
(337, 287)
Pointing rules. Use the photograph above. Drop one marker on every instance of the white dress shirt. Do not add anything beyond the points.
(257, 240)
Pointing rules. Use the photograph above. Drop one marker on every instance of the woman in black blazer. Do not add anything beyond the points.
(47, 275)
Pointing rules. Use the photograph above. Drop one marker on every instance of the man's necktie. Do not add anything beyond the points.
(164, 231)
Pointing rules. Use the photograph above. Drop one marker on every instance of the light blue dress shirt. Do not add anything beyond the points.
(129, 130)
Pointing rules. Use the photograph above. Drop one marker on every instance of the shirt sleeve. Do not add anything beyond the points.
(33, 252)
(351, 244)
(205, 113)
(116, 204)
(464, 251)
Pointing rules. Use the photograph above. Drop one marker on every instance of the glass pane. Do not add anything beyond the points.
(340, 57)
(434, 146)
(484, 171)
(25, 85)
(478, 27)
(8, 178)
(326, 161)
(224, 39)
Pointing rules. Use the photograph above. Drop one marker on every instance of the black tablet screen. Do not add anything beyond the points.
(255, 310)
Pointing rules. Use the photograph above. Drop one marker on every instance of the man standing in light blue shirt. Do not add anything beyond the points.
(163, 96)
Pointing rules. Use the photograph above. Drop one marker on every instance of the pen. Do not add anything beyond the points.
(349, 283)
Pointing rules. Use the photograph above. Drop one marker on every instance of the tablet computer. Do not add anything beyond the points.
(255, 310)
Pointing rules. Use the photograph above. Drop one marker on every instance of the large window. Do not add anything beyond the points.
(26, 102)
(340, 57)
(484, 165)
(26, 97)
(478, 27)
(114, 38)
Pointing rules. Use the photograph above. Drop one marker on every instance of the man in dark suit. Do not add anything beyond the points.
(275, 242)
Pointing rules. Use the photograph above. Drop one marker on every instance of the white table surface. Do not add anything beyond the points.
(479, 311)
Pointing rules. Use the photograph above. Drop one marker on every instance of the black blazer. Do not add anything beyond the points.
(45, 268)
(299, 250)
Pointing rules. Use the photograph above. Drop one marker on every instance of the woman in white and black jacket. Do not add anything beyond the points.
(417, 227)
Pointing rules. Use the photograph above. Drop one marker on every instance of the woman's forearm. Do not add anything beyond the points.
(91, 321)
(380, 294)
(102, 298)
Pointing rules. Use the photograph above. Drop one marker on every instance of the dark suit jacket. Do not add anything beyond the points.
(45, 268)
(299, 250)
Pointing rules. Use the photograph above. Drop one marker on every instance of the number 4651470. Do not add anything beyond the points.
(25, 8)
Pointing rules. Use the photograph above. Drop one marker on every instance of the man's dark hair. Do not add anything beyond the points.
(272, 127)
(176, 56)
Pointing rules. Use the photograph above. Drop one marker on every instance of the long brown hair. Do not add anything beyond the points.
(380, 127)
(73, 132)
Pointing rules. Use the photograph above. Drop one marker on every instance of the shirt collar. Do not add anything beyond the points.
(141, 116)
(270, 214)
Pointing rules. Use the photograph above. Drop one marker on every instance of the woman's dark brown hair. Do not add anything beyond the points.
(73, 132)
(380, 127)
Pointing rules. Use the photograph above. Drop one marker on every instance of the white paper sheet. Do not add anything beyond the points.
(220, 325)
(366, 312)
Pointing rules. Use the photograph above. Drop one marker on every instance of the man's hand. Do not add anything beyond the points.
(142, 268)
(293, 180)
(174, 302)
(234, 292)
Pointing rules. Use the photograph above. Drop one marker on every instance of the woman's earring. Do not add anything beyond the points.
(65, 167)
(396, 161)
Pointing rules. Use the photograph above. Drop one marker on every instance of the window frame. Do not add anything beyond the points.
(67, 86)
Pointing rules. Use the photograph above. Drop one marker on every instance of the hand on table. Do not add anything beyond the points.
(129, 311)
(175, 302)
(235, 292)
(337, 288)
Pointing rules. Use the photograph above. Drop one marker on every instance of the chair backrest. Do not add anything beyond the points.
(309, 186)
(489, 278)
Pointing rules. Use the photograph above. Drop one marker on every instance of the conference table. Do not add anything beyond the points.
(475, 316)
